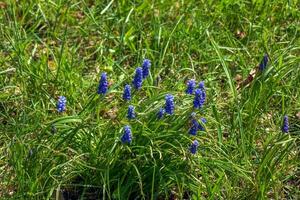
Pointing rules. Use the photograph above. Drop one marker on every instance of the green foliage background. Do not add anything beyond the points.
(51, 48)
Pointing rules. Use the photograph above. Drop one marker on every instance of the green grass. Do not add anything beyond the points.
(53, 48)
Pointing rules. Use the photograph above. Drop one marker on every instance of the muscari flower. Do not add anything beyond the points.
(169, 106)
(285, 126)
(199, 99)
(146, 66)
(61, 104)
(264, 62)
(194, 147)
(161, 113)
(127, 135)
(103, 84)
(130, 113)
(200, 127)
(138, 78)
(190, 86)
(194, 128)
(127, 93)
(201, 85)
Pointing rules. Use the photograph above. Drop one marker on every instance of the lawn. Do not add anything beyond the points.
(117, 99)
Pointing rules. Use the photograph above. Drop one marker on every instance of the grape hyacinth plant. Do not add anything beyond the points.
(61, 104)
(194, 147)
(263, 63)
(131, 113)
(138, 78)
(127, 135)
(146, 68)
(169, 106)
(199, 99)
(190, 86)
(200, 127)
(285, 126)
(194, 128)
(161, 113)
(201, 85)
(103, 84)
(127, 93)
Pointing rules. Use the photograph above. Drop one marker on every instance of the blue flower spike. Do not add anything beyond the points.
(194, 128)
(263, 63)
(161, 113)
(103, 84)
(127, 93)
(169, 106)
(146, 68)
(138, 78)
(194, 147)
(130, 113)
(191, 84)
(203, 120)
(201, 85)
(61, 104)
(127, 135)
(285, 126)
(199, 99)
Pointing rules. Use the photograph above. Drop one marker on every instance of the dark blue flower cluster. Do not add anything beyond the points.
(127, 93)
(138, 78)
(200, 96)
(127, 135)
(194, 147)
(161, 113)
(61, 104)
(196, 126)
(191, 84)
(146, 68)
(103, 84)
(169, 106)
(140, 74)
(285, 125)
(130, 113)
(263, 63)
(199, 100)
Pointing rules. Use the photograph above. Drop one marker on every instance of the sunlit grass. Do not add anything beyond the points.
(61, 48)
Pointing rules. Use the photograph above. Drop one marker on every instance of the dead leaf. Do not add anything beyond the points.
(3, 5)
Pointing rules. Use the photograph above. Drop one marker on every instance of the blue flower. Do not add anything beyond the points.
(130, 113)
(190, 86)
(194, 128)
(194, 147)
(201, 85)
(127, 135)
(169, 106)
(138, 78)
(203, 120)
(263, 63)
(161, 113)
(146, 66)
(103, 84)
(61, 104)
(199, 99)
(285, 126)
(127, 93)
